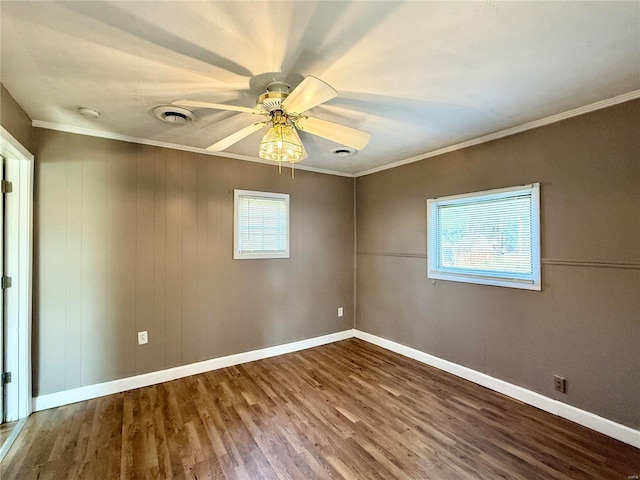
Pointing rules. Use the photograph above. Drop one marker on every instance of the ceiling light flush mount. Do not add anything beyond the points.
(173, 114)
(343, 151)
(89, 112)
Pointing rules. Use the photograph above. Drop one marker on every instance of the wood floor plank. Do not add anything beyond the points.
(347, 410)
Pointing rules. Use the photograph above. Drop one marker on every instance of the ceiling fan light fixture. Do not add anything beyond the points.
(280, 144)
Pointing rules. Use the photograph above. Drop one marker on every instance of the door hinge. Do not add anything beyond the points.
(7, 186)
(6, 282)
(6, 378)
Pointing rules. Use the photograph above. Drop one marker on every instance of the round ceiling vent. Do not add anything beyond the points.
(343, 151)
(173, 114)
(89, 112)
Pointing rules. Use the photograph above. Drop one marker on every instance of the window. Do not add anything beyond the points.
(261, 225)
(491, 237)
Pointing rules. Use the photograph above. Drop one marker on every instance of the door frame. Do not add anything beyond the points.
(2, 253)
(18, 265)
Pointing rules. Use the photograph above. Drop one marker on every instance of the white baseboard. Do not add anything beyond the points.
(607, 427)
(57, 399)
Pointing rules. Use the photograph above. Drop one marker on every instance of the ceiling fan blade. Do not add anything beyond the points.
(351, 137)
(311, 92)
(218, 106)
(235, 137)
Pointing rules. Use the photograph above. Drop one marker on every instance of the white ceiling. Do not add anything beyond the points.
(419, 76)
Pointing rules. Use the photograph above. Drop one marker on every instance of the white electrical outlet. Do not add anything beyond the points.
(143, 337)
(340, 311)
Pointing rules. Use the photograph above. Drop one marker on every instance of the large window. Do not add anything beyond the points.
(490, 237)
(261, 225)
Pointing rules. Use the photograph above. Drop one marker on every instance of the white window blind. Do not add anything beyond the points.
(489, 237)
(261, 226)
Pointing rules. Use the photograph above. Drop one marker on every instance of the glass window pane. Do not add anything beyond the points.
(261, 225)
(486, 235)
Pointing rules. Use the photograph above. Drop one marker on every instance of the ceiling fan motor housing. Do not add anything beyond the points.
(274, 96)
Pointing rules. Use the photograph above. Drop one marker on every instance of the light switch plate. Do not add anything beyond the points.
(341, 311)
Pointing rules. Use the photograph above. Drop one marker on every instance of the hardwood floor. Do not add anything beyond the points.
(345, 410)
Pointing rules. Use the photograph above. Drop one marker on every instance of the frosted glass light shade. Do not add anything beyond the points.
(280, 144)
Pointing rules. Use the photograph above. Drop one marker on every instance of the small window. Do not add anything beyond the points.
(261, 225)
(491, 237)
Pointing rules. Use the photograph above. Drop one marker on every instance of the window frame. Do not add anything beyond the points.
(436, 272)
(260, 254)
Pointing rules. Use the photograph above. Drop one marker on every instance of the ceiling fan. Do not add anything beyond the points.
(284, 110)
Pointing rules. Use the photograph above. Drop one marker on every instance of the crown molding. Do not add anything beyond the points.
(173, 146)
(625, 97)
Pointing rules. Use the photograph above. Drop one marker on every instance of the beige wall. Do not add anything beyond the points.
(132, 237)
(15, 120)
(584, 325)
